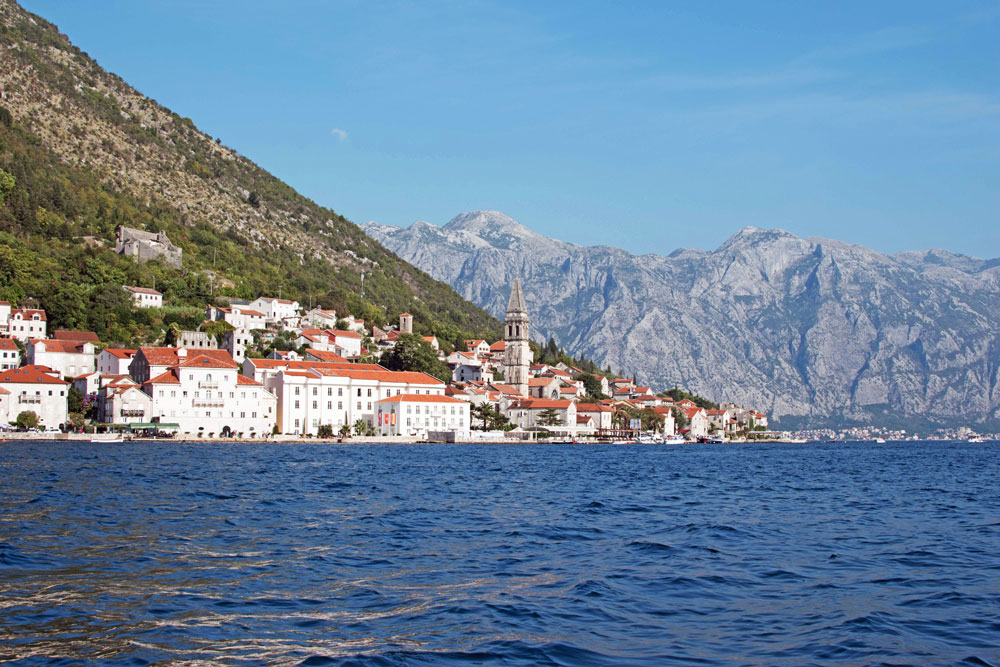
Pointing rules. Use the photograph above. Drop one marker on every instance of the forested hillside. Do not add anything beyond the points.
(82, 152)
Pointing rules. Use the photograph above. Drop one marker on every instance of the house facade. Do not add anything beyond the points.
(37, 389)
(69, 358)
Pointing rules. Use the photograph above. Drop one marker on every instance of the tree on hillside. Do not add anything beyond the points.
(413, 353)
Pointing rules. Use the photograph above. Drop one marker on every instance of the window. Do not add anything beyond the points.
(173, 393)
(340, 391)
(296, 423)
(369, 406)
(329, 391)
(315, 389)
(296, 391)
(359, 402)
(190, 376)
(296, 405)
(359, 395)
(329, 405)
(314, 405)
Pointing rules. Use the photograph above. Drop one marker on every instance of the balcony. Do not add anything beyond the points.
(208, 385)
(208, 403)
(132, 413)
(24, 398)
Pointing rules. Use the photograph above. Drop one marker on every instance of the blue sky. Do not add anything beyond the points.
(646, 125)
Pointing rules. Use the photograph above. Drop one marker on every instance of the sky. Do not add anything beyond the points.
(650, 126)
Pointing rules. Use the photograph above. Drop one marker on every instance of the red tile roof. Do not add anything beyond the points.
(89, 336)
(244, 380)
(60, 346)
(142, 290)
(28, 313)
(326, 355)
(543, 404)
(167, 356)
(381, 375)
(344, 334)
(167, 377)
(33, 374)
(204, 361)
(121, 353)
(7, 344)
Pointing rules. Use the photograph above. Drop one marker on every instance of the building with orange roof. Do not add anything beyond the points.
(205, 395)
(10, 354)
(38, 389)
(152, 361)
(530, 413)
(144, 297)
(69, 357)
(27, 323)
(114, 360)
(311, 394)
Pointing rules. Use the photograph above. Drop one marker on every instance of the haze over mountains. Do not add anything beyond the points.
(814, 331)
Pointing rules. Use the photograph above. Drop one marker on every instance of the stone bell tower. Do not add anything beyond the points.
(517, 353)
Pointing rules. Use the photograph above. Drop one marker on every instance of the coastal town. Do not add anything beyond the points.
(332, 381)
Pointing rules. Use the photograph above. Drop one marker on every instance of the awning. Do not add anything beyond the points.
(148, 426)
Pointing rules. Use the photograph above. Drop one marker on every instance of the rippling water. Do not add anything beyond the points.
(384, 554)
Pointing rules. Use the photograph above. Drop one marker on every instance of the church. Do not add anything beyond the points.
(517, 352)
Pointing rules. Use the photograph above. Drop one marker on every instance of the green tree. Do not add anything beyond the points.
(592, 385)
(7, 183)
(26, 419)
(549, 417)
(344, 431)
(324, 431)
(254, 199)
(74, 399)
(651, 420)
(413, 353)
(680, 419)
(360, 427)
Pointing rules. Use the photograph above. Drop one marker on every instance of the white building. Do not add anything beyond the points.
(311, 394)
(144, 297)
(152, 361)
(416, 414)
(602, 414)
(348, 341)
(240, 317)
(275, 310)
(39, 390)
(320, 319)
(26, 323)
(206, 395)
(115, 361)
(4, 316)
(530, 413)
(235, 342)
(10, 355)
(122, 401)
(69, 358)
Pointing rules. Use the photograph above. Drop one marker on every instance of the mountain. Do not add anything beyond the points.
(87, 152)
(816, 332)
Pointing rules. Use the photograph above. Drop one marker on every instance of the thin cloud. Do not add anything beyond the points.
(339, 133)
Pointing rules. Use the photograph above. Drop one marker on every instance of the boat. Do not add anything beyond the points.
(674, 440)
(977, 438)
(107, 438)
(879, 441)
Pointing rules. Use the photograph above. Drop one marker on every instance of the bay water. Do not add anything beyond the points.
(315, 554)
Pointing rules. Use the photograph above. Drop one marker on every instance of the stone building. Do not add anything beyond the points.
(517, 352)
(145, 246)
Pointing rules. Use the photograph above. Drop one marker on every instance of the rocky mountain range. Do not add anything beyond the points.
(815, 332)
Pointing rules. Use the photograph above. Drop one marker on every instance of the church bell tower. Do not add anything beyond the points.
(517, 353)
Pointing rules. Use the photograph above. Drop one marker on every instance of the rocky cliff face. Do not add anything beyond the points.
(811, 330)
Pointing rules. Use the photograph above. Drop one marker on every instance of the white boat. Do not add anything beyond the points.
(879, 441)
(107, 438)
(674, 440)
